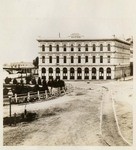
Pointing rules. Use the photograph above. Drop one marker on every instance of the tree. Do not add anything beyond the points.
(34, 81)
(28, 79)
(36, 62)
(39, 81)
(14, 81)
(7, 80)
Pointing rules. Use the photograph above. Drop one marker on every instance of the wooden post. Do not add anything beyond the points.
(38, 93)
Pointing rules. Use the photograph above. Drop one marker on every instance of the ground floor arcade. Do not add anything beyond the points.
(77, 73)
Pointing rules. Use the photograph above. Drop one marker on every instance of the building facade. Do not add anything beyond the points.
(77, 58)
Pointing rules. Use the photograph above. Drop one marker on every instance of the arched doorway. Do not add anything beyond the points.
(108, 73)
(93, 73)
(43, 73)
(86, 73)
(64, 73)
(101, 71)
(50, 73)
(57, 73)
(79, 73)
(72, 73)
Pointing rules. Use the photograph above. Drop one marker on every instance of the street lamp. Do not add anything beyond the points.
(10, 94)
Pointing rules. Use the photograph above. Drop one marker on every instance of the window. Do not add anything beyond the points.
(79, 47)
(101, 59)
(94, 47)
(72, 47)
(43, 59)
(50, 47)
(109, 47)
(79, 59)
(108, 59)
(57, 59)
(72, 59)
(64, 47)
(65, 59)
(43, 70)
(94, 59)
(57, 47)
(43, 47)
(101, 47)
(86, 47)
(86, 59)
(50, 59)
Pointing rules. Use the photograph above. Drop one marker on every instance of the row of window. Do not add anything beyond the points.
(79, 47)
(72, 59)
(79, 70)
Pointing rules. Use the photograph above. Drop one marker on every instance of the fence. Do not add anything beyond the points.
(38, 96)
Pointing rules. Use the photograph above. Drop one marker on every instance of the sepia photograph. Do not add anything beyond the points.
(67, 72)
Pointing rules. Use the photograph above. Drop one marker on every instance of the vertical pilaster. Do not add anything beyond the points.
(90, 74)
(47, 74)
(75, 74)
(105, 74)
(61, 74)
(97, 74)
(68, 74)
(83, 74)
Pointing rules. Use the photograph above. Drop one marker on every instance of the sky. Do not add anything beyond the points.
(22, 22)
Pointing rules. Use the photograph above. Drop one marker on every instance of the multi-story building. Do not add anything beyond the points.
(78, 58)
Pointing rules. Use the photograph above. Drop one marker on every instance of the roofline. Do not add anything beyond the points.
(82, 39)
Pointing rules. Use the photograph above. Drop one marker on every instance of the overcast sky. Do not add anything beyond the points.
(24, 21)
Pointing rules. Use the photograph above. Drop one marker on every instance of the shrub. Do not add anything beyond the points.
(14, 81)
(7, 80)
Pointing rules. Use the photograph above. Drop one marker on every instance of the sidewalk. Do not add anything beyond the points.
(126, 78)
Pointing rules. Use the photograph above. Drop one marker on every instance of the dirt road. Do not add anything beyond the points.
(73, 121)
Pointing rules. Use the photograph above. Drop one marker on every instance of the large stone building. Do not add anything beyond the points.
(78, 58)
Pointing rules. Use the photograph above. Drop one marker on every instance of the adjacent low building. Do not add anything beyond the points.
(78, 58)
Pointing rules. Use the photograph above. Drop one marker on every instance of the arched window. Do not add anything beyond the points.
(43, 70)
(50, 47)
(86, 47)
(72, 59)
(101, 47)
(94, 47)
(79, 59)
(94, 59)
(101, 59)
(64, 48)
(65, 59)
(93, 70)
(50, 70)
(72, 47)
(50, 59)
(43, 59)
(109, 47)
(79, 47)
(72, 70)
(57, 70)
(93, 73)
(108, 70)
(101, 70)
(64, 73)
(79, 70)
(72, 76)
(43, 47)
(64, 70)
(86, 70)
(57, 47)
(57, 59)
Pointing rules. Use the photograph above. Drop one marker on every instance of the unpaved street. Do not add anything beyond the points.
(73, 119)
